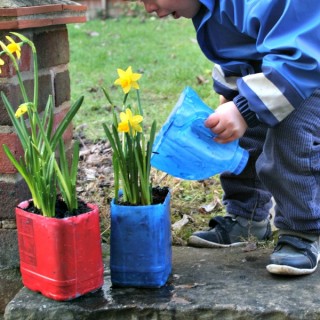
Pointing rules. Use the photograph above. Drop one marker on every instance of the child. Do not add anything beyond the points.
(267, 71)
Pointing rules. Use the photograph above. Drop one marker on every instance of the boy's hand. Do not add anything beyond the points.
(227, 123)
(223, 99)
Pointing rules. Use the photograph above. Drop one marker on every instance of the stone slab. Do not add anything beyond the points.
(10, 284)
(205, 284)
(29, 3)
(9, 256)
(36, 16)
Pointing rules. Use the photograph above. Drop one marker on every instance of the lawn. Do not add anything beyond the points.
(163, 50)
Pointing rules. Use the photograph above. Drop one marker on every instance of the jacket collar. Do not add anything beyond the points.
(205, 12)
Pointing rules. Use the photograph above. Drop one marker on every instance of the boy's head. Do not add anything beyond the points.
(176, 8)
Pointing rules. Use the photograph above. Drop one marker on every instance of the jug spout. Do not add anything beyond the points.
(184, 147)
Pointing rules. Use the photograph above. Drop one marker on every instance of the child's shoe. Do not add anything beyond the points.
(294, 255)
(230, 231)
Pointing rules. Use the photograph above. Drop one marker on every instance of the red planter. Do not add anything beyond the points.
(61, 258)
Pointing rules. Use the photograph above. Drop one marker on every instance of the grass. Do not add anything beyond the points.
(165, 51)
(167, 54)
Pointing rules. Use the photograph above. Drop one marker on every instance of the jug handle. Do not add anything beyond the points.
(198, 126)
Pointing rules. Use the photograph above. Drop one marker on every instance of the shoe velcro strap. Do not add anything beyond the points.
(301, 245)
(223, 226)
(294, 242)
(221, 221)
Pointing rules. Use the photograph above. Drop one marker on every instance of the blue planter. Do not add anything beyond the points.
(140, 245)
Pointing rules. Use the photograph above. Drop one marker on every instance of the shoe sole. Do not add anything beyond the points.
(290, 271)
(201, 243)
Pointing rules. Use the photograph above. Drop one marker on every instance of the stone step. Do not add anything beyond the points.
(205, 284)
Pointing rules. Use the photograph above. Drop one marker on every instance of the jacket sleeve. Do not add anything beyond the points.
(224, 84)
(287, 36)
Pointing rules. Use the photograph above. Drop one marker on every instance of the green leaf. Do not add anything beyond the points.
(108, 97)
(20, 128)
(116, 171)
(66, 121)
(75, 162)
(47, 119)
(21, 169)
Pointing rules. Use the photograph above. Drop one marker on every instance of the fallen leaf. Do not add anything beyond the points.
(189, 286)
(213, 205)
(181, 223)
(93, 34)
(251, 246)
(201, 80)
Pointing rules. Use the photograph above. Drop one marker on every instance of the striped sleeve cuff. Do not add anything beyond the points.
(248, 115)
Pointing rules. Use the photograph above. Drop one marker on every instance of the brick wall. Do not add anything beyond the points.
(51, 40)
(53, 57)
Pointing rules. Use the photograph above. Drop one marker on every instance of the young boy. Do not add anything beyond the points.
(267, 71)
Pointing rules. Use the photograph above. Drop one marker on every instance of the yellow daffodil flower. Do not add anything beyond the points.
(129, 121)
(23, 108)
(13, 47)
(127, 79)
(1, 64)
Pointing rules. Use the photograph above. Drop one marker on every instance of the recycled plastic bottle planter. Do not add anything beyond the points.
(61, 258)
(140, 245)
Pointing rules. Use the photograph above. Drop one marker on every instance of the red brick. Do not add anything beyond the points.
(45, 89)
(66, 20)
(62, 87)
(7, 70)
(9, 25)
(12, 92)
(75, 7)
(34, 10)
(38, 23)
(9, 255)
(8, 12)
(59, 115)
(26, 60)
(25, 11)
(13, 190)
(53, 47)
(34, 23)
(14, 96)
(13, 143)
(37, 19)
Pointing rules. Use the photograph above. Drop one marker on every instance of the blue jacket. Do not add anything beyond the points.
(266, 53)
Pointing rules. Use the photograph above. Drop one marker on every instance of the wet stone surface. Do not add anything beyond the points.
(10, 284)
(205, 284)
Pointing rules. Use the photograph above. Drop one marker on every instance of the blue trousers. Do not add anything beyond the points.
(284, 163)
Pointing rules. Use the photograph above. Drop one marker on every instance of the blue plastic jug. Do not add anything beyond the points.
(184, 147)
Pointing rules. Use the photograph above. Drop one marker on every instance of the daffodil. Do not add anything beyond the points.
(45, 175)
(132, 148)
(13, 47)
(1, 64)
(127, 79)
(23, 108)
(129, 122)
